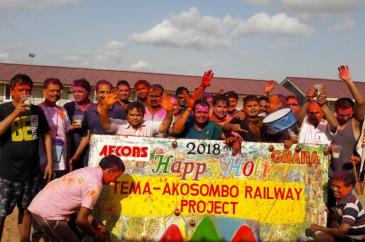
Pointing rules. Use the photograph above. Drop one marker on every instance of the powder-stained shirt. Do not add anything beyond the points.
(65, 195)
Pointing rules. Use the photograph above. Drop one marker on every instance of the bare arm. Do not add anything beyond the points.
(338, 232)
(83, 221)
(167, 105)
(302, 113)
(83, 143)
(47, 144)
(108, 101)
(332, 121)
(6, 122)
(303, 110)
(179, 124)
(345, 75)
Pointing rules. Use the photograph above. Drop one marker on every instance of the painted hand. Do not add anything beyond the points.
(207, 77)
(190, 101)
(269, 86)
(167, 104)
(110, 98)
(344, 73)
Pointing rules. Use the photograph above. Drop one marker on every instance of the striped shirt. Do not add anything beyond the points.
(353, 214)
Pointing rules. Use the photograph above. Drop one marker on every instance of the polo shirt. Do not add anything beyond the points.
(353, 214)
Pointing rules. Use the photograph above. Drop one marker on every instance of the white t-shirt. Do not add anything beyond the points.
(320, 135)
(59, 125)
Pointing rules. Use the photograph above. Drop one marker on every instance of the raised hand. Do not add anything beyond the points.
(110, 98)
(311, 92)
(207, 77)
(322, 98)
(166, 103)
(269, 86)
(190, 101)
(344, 73)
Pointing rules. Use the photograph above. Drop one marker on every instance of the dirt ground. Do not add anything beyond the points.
(11, 232)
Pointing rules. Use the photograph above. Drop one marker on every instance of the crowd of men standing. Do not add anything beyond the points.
(41, 144)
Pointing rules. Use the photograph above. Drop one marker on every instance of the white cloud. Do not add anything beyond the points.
(259, 2)
(141, 66)
(110, 53)
(344, 26)
(4, 55)
(188, 30)
(191, 30)
(34, 4)
(277, 24)
(114, 45)
(312, 9)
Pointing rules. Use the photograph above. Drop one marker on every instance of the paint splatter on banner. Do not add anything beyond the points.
(182, 190)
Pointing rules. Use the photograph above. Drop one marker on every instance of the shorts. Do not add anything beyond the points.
(17, 193)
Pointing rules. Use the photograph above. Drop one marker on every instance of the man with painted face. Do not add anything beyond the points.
(252, 123)
(314, 128)
(21, 126)
(75, 193)
(219, 112)
(349, 117)
(199, 126)
(293, 103)
(91, 122)
(154, 110)
(76, 111)
(350, 222)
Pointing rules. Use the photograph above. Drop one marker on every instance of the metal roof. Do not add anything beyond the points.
(334, 88)
(170, 82)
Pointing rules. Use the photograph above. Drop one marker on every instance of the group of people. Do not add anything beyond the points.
(44, 148)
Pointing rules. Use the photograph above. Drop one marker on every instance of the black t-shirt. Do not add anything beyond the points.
(19, 155)
(255, 130)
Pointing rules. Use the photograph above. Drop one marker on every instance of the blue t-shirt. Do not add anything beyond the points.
(92, 121)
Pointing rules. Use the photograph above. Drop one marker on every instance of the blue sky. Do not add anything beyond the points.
(260, 39)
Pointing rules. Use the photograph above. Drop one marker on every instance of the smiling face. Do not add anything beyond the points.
(52, 93)
(201, 114)
(232, 104)
(340, 190)
(80, 94)
(220, 109)
(251, 108)
(123, 92)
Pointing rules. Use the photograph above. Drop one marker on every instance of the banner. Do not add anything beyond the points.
(182, 190)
